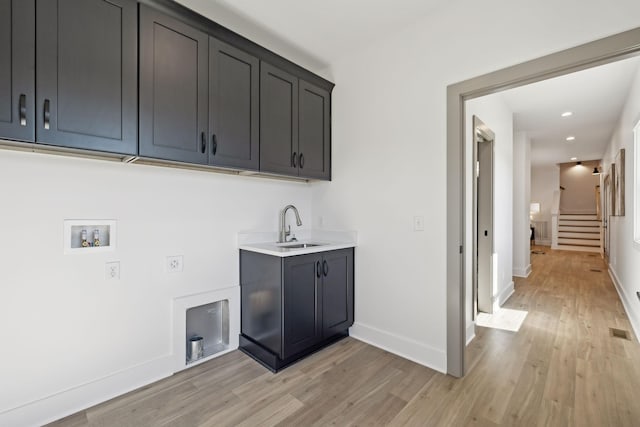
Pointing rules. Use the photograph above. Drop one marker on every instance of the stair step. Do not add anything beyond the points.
(579, 242)
(579, 223)
(580, 235)
(579, 217)
(578, 248)
(579, 229)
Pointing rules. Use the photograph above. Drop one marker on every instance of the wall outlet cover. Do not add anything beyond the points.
(175, 264)
(112, 270)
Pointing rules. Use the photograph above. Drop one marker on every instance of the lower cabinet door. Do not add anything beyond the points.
(337, 291)
(302, 321)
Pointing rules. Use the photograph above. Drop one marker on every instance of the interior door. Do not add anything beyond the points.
(87, 75)
(17, 74)
(484, 233)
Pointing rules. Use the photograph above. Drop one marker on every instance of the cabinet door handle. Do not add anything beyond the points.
(301, 161)
(47, 114)
(22, 109)
(293, 159)
(203, 143)
(214, 144)
(318, 270)
(325, 268)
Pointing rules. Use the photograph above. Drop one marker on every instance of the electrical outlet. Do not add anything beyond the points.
(418, 223)
(112, 270)
(174, 264)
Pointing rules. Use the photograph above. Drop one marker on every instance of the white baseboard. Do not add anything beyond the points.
(504, 295)
(471, 332)
(634, 318)
(401, 346)
(70, 401)
(522, 272)
(543, 242)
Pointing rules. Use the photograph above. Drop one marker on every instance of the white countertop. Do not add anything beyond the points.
(265, 242)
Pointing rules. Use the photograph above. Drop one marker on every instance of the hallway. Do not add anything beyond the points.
(563, 368)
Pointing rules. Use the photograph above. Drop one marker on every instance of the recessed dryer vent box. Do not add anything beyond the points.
(89, 236)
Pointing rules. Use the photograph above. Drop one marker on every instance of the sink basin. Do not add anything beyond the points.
(298, 245)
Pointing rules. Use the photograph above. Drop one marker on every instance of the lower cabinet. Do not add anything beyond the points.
(292, 306)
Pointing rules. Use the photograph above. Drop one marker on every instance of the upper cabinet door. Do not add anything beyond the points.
(234, 102)
(173, 89)
(278, 121)
(87, 74)
(314, 132)
(17, 61)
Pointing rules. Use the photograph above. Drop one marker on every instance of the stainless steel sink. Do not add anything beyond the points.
(298, 245)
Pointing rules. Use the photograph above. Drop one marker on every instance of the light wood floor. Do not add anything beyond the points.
(563, 368)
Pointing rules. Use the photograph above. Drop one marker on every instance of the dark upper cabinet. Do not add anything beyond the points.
(86, 77)
(295, 125)
(173, 89)
(278, 121)
(17, 62)
(314, 140)
(234, 102)
(302, 321)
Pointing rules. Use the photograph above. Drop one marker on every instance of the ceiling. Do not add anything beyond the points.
(330, 28)
(595, 96)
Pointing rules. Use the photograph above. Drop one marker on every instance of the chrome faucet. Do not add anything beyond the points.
(284, 232)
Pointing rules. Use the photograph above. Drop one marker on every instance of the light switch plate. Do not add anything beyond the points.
(418, 223)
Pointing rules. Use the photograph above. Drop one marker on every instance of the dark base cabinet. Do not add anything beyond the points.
(294, 306)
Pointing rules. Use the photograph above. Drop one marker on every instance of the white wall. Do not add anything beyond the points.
(624, 255)
(63, 326)
(579, 183)
(545, 179)
(389, 150)
(521, 202)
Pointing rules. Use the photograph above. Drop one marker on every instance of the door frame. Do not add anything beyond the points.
(589, 55)
(606, 213)
(482, 135)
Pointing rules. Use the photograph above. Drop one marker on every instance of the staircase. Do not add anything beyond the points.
(579, 232)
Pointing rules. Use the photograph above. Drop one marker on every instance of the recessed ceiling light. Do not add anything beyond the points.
(573, 159)
(567, 114)
(571, 138)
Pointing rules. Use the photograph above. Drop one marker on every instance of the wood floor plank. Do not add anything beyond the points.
(562, 368)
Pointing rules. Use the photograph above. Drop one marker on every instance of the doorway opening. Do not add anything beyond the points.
(610, 49)
(483, 289)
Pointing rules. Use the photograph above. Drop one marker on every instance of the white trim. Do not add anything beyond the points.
(543, 242)
(636, 186)
(402, 346)
(505, 294)
(634, 319)
(75, 399)
(522, 272)
(471, 332)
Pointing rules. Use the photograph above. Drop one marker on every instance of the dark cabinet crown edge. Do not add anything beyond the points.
(216, 30)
